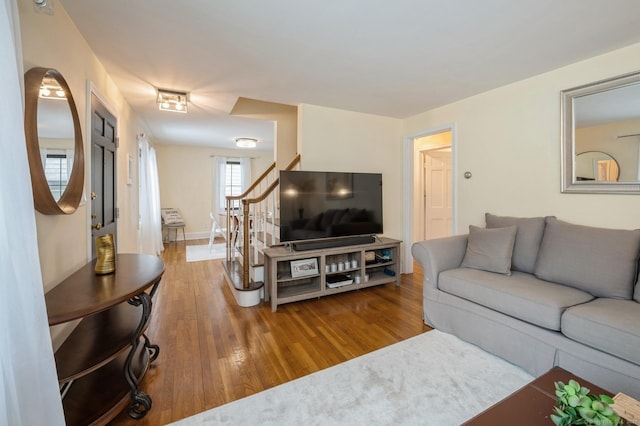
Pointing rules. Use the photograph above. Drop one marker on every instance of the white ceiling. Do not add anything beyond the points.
(393, 58)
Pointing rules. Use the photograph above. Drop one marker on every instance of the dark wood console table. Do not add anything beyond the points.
(104, 359)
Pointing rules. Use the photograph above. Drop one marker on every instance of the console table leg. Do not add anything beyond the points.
(154, 350)
(140, 405)
(141, 402)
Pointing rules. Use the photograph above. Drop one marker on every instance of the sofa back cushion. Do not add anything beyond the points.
(597, 260)
(528, 238)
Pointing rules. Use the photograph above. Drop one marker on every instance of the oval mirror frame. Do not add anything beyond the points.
(596, 166)
(570, 184)
(43, 198)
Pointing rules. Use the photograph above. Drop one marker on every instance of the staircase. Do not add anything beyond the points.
(249, 232)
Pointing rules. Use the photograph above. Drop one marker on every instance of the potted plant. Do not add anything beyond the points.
(577, 406)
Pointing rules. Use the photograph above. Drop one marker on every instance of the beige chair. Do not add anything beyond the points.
(172, 219)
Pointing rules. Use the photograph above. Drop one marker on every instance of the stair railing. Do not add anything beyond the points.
(259, 216)
(234, 221)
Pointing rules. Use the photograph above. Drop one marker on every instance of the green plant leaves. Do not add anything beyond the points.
(576, 406)
(606, 399)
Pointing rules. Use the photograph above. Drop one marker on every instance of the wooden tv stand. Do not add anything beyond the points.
(102, 362)
(284, 287)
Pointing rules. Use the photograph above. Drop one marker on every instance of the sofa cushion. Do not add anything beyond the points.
(528, 237)
(313, 223)
(520, 295)
(490, 249)
(327, 218)
(610, 325)
(597, 260)
(636, 293)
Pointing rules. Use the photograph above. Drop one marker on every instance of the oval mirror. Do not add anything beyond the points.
(54, 142)
(596, 166)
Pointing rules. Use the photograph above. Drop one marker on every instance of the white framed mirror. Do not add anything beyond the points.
(601, 136)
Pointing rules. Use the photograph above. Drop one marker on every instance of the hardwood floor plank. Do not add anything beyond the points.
(213, 352)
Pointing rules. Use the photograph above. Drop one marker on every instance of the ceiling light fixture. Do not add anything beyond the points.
(169, 100)
(50, 89)
(246, 142)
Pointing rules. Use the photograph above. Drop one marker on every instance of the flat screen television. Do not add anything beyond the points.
(326, 205)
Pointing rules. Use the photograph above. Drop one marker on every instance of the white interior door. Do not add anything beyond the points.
(437, 193)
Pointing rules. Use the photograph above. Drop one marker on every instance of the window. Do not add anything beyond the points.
(233, 182)
(56, 170)
(231, 177)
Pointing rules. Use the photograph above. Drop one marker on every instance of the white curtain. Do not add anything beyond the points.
(69, 154)
(43, 156)
(150, 219)
(29, 392)
(218, 178)
(245, 167)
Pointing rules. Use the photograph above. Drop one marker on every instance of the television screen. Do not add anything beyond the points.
(317, 205)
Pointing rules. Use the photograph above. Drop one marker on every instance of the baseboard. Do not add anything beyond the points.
(188, 236)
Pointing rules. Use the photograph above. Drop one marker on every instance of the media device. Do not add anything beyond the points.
(329, 209)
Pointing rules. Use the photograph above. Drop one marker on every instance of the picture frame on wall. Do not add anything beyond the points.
(304, 267)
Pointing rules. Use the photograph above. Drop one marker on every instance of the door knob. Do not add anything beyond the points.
(97, 226)
(93, 195)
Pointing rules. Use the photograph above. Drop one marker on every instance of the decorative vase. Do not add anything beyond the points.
(105, 252)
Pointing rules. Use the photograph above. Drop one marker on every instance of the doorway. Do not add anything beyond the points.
(104, 144)
(435, 189)
(429, 187)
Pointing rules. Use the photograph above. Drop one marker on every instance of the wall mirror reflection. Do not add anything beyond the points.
(55, 136)
(54, 142)
(601, 136)
(596, 166)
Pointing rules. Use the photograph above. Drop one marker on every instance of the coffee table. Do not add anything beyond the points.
(532, 404)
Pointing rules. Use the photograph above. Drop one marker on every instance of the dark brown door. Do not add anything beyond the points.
(103, 172)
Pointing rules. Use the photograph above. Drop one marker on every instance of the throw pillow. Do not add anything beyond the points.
(528, 238)
(490, 249)
(599, 261)
(171, 216)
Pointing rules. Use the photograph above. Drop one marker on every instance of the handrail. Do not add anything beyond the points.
(246, 203)
(264, 195)
(273, 185)
(293, 162)
(254, 184)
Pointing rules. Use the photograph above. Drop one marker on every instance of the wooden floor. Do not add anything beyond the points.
(213, 352)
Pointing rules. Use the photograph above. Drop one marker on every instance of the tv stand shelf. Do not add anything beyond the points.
(356, 272)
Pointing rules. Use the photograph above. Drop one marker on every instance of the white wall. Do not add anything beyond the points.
(344, 141)
(185, 176)
(509, 138)
(285, 118)
(63, 240)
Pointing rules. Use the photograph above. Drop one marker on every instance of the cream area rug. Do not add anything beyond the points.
(431, 379)
(202, 252)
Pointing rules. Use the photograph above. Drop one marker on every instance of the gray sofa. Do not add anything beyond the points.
(540, 292)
